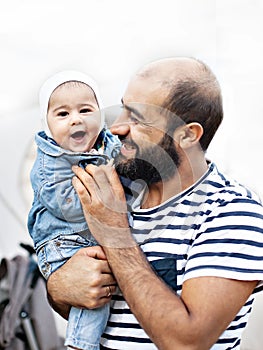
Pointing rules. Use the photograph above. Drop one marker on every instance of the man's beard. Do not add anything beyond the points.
(153, 164)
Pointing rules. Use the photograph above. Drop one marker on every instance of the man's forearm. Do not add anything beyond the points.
(147, 296)
(61, 308)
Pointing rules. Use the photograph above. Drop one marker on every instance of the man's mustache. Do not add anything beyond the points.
(128, 142)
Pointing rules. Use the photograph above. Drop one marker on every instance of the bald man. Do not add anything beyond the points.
(187, 259)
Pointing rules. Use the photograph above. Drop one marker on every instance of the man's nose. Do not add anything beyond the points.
(120, 127)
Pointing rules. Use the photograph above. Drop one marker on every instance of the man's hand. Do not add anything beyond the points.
(104, 205)
(84, 281)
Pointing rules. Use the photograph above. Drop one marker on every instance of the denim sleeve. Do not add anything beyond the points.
(62, 200)
(53, 188)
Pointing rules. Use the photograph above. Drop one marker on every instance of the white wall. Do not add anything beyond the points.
(110, 40)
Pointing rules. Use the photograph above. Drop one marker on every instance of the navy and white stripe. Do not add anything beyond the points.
(214, 228)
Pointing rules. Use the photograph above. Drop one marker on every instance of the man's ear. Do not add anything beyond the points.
(188, 135)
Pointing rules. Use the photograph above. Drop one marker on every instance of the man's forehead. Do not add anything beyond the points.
(165, 73)
(153, 84)
(146, 90)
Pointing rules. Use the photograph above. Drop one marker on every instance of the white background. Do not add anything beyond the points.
(111, 39)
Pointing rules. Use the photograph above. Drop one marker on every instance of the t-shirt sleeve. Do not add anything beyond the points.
(229, 243)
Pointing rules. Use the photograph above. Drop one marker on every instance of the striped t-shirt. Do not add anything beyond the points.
(214, 228)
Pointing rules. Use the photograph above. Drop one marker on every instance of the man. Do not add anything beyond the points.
(190, 281)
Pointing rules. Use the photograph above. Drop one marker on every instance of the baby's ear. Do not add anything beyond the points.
(188, 135)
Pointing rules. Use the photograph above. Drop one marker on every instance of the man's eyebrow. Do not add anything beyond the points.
(133, 110)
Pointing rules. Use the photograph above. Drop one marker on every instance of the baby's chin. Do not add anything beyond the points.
(82, 147)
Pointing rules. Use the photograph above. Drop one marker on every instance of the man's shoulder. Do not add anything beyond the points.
(227, 188)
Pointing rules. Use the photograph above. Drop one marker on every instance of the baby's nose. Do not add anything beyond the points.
(75, 118)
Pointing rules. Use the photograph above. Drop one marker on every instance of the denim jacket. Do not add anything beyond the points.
(56, 208)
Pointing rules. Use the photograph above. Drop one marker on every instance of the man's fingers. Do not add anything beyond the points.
(81, 189)
(89, 180)
(104, 176)
(99, 175)
(108, 182)
(108, 291)
(95, 252)
(114, 180)
(103, 186)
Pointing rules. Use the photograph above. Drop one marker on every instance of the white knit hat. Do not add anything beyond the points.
(57, 79)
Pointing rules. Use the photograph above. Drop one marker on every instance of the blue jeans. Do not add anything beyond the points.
(85, 327)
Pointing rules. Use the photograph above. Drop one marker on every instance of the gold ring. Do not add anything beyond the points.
(109, 292)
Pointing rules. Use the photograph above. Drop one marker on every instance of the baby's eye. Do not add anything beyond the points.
(63, 114)
(86, 110)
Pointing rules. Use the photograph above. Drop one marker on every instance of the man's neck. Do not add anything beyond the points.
(185, 177)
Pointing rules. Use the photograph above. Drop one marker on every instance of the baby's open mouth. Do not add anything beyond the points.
(78, 135)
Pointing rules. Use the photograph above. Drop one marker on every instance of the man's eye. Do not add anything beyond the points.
(63, 114)
(133, 119)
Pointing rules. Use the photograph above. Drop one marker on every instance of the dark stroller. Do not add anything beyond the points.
(26, 319)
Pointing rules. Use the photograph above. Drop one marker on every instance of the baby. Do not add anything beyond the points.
(74, 133)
